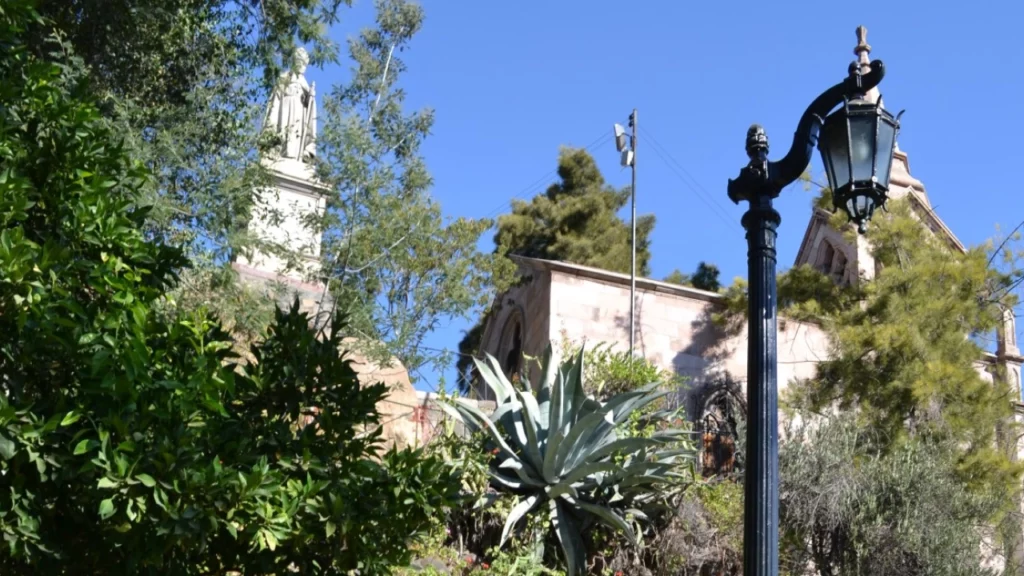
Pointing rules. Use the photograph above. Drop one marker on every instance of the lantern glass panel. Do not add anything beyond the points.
(862, 137)
(886, 143)
(836, 154)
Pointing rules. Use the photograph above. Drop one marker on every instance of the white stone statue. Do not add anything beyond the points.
(291, 113)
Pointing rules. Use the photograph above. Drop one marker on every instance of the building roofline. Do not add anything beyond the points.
(918, 199)
(617, 278)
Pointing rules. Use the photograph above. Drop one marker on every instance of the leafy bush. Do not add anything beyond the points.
(847, 509)
(564, 449)
(134, 444)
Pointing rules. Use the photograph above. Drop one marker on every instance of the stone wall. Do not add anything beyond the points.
(673, 327)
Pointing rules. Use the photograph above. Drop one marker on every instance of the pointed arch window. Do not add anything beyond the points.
(511, 347)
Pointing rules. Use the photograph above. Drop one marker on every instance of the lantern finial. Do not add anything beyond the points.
(863, 63)
(863, 49)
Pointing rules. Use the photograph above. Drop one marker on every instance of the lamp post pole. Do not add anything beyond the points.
(760, 182)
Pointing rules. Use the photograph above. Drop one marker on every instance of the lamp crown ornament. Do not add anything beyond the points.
(757, 143)
(862, 49)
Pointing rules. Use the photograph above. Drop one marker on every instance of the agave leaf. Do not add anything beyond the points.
(643, 480)
(631, 444)
(512, 422)
(547, 381)
(499, 376)
(508, 481)
(516, 514)
(584, 426)
(588, 470)
(525, 422)
(556, 409)
(551, 453)
(457, 415)
(496, 382)
(574, 393)
(665, 455)
(511, 463)
(610, 518)
(529, 402)
(649, 468)
(569, 537)
(637, 404)
(615, 402)
(560, 489)
(469, 410)
(638, 514)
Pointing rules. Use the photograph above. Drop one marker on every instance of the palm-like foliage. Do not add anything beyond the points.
(565, 450)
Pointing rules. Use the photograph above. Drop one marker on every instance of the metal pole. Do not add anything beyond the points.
(632, 264)
(761, 484)
(758, 184)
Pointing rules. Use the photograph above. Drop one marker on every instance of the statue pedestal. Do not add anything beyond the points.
(280, 216)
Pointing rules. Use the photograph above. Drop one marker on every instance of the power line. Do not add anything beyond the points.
(695, 186)
(526, 192)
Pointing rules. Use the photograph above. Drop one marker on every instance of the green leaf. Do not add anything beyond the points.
(70, 418)
(146, 480)
(106, 508)
(106, 483)
(329, 528)
(518, 511)
(82, 447)
(7, 447)
(573, 548)
(610, 518)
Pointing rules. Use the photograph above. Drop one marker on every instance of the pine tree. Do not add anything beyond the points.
(575, 220)
(902, 357)
(705, 277)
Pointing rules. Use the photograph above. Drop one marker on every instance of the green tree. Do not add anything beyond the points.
(575, 220)
(901, 357)
(847, 509)
(135, 444)
(185, 82)
(397, 267)
(705, 277)
(677, 277)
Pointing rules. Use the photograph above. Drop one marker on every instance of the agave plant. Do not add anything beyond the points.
(562, 450)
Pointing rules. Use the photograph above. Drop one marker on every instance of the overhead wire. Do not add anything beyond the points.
(527, 192)
(675, 166)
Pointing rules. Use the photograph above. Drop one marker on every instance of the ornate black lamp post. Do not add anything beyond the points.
(856, 147)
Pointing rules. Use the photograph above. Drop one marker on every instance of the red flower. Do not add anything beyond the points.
(619, 573)
(485, 565)
(495, 451)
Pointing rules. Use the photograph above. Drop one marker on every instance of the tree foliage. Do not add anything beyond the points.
(576, 220)
(184, 82)
(902, 357)
(848, 510)
(396, 266)
(135, 444)
(705, 277)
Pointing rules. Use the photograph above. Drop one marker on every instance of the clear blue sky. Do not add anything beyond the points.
(512, 81)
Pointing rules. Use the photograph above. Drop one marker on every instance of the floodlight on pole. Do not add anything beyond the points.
(625, 143)
(620, 137)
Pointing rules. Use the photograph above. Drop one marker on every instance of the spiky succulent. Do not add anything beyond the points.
(564, 450)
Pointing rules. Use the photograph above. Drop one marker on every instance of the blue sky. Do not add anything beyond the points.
(512, 81)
